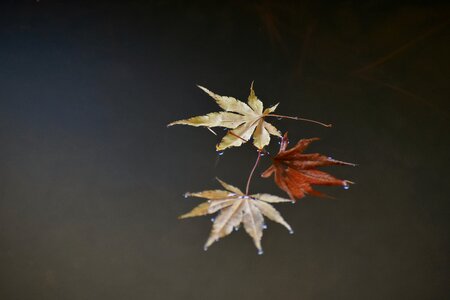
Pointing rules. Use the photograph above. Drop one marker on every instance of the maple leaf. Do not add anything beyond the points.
(235, 208)
(244, 120)
(295, 172)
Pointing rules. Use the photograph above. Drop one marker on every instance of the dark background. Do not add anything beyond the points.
(91, 180)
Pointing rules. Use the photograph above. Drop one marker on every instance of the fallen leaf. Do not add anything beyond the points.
(234, 208)
(243, 120)
(295, 172)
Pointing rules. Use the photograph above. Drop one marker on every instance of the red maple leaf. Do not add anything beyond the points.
(295, 172)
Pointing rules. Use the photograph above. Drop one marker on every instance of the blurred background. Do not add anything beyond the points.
(91, 180)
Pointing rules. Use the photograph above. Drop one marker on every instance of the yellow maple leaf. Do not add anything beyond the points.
(235, 208)
(243, 120)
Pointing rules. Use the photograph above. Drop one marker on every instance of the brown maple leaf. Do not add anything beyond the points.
(234, 208)
(295, 172)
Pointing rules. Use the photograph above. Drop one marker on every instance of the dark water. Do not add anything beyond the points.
(91, 180)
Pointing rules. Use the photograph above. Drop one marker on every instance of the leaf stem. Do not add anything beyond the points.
(300, 119)
(253, 171)
(213, 132)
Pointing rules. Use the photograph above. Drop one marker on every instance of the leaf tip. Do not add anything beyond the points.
(178, 122)
(219, 148)
(204, 89)
(347, 182)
